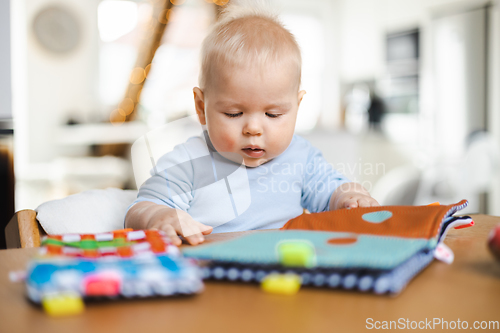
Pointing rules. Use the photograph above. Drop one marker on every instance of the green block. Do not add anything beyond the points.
(50, 241)
(110, 243)
(119, 242)
(88, 244)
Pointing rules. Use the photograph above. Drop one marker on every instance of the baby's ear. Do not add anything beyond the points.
(199, 104)
(301, 95)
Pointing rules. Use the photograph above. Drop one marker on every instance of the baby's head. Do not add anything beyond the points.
(249, 84)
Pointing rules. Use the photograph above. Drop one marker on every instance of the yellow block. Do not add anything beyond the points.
(296, 253)
(63, 304)
(286, 284)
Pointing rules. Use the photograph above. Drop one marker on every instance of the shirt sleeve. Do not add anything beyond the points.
(171, 181)
(320, 181)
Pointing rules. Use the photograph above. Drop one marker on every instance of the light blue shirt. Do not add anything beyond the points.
(231, 197)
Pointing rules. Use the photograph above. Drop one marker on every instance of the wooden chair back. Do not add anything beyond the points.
(23, 230)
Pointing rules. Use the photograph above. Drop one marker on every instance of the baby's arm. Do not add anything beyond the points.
(174, 222)
(351, 195)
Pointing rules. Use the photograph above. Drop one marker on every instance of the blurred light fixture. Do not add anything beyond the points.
(116, 19)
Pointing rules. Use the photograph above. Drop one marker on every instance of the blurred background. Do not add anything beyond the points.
(403, 96)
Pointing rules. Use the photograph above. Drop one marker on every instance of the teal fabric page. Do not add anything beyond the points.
(367, 251)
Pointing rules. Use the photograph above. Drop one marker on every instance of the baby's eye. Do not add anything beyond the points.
(272, 115)
(233, 115)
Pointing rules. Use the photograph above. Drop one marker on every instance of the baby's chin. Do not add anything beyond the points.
(254, 162)
(245, 160)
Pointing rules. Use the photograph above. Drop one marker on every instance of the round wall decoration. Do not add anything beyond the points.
(57, 29)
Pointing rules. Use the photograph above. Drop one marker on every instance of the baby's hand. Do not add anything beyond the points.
(351, 195)
(174, 222)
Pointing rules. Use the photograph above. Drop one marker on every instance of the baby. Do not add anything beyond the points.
(247, 102)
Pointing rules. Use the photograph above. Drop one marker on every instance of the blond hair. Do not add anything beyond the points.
(248, 33)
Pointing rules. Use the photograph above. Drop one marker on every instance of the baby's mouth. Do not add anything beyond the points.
(253, 151)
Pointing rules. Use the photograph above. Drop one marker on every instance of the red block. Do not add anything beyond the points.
(102, 286)
(152, 234)
(124, 251)
(157, 247)
(90, 253)
(90, 237)
(54, 249)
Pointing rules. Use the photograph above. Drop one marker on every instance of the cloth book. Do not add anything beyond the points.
(375, 249)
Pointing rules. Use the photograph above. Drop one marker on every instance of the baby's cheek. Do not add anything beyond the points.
(224, 142)
(280, 141)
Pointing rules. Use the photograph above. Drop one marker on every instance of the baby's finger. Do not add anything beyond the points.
(364, 202)
(374, 203)
(351, 203)
(195, 239)
(191, 232)
(172, 234)
(205, 229)
(183, 224)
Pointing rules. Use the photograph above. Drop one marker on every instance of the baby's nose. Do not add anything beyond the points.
(252, 127)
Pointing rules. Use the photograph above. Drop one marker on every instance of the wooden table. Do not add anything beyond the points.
(469, 289)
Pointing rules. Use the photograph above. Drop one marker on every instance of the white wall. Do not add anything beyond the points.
(326, 12)
(355, 41)
(494, 101)
(49, 86)
(362, 28)
(364, 23)
(5, 83)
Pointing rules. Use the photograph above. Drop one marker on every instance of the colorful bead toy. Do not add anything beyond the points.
(124, 263)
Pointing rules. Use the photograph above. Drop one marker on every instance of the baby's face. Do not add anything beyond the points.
(251, 113)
